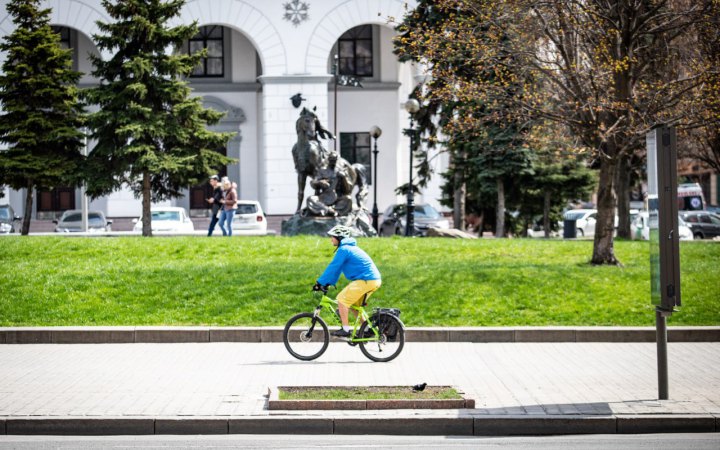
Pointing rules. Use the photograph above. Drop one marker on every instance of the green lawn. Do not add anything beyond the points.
(368, 393)
(246, 281)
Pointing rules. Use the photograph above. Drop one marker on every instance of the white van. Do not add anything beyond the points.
(690, 197)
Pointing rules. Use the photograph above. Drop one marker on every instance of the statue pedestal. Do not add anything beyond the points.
(319, 226)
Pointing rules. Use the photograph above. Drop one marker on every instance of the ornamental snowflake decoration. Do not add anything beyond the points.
(296, 12)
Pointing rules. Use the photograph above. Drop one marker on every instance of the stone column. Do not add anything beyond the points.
(278, 179)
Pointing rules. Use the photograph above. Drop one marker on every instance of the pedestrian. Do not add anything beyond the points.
(234, 186)
(215, 203)
(228, 211)
(357, 267)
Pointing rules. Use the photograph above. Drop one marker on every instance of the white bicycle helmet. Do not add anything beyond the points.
(340, 231)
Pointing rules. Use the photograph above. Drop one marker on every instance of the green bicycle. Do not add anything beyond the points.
(380, 335)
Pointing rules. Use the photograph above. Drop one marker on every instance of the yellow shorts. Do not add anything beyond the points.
(355, 291)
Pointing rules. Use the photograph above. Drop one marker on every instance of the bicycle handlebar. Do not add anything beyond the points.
(320, 287)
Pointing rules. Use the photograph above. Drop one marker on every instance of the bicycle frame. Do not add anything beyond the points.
(362, 316)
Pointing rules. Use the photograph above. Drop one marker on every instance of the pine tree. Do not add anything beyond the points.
(151, 134)
(560, 176)
(41, 118)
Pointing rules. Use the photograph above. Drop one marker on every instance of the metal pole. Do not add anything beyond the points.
(661, 325)
(410, 225)
(374, 169)
(335, 108)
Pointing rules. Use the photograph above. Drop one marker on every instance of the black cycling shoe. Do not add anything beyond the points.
(340, 333)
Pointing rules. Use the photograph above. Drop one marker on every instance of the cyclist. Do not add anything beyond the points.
(357, 267)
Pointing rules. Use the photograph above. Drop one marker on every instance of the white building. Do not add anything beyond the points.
(260, 54)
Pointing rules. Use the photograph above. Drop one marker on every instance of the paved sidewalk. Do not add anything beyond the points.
(207, 388)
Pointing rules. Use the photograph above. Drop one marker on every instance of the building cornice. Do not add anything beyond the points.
(294, 78)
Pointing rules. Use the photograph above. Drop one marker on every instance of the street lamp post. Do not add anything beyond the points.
(375, 132)
(411, 106)
(340, 80)
(83, 188)
(336, 70)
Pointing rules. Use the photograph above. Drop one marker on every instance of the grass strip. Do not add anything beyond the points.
(367, 393)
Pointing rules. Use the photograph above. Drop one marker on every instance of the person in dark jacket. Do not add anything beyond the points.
(357, 267)
(215, 203)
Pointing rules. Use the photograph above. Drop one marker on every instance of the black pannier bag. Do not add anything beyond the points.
(382, 318)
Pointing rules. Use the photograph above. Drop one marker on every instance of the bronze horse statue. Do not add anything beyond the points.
(309, 155)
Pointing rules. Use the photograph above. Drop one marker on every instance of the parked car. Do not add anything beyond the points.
(71, 222)
(640, 228)
(585, 221)
(425, 217)
(7, 219)
(703, 224)
(167, 219)
(249, 216)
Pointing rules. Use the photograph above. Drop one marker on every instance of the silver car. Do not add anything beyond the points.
(71, 222)
(425, 217)
(7, 219)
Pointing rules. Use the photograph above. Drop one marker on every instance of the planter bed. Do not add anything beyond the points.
(409, 401)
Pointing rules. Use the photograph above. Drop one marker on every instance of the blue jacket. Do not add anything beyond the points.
(351, 261)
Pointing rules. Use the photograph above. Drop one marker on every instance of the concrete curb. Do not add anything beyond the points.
(116, 335)
(459, 425)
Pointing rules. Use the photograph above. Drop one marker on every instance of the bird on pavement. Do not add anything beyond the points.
(419, 387)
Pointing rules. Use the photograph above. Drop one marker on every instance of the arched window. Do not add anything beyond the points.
(355, 52)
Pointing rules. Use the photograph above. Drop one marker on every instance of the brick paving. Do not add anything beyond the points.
(220, 380)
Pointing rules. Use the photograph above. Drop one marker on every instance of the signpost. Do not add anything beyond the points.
(664, 240)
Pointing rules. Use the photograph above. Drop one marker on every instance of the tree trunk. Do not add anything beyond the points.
(603, 249)
(458, 198)
(146, 199)
(622, 190)
(459, 207)
(500, 212)
(28, 209)
(546, 213)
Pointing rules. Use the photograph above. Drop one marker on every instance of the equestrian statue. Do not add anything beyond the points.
(333, 179)
(312, 160)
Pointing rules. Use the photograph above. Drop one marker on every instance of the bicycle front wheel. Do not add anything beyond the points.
(306, 337)
(390, 342)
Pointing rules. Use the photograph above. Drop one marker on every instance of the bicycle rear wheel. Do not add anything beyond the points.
(391, 340)
(305, 336)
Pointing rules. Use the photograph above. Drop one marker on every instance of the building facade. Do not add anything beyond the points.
(261, 54)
